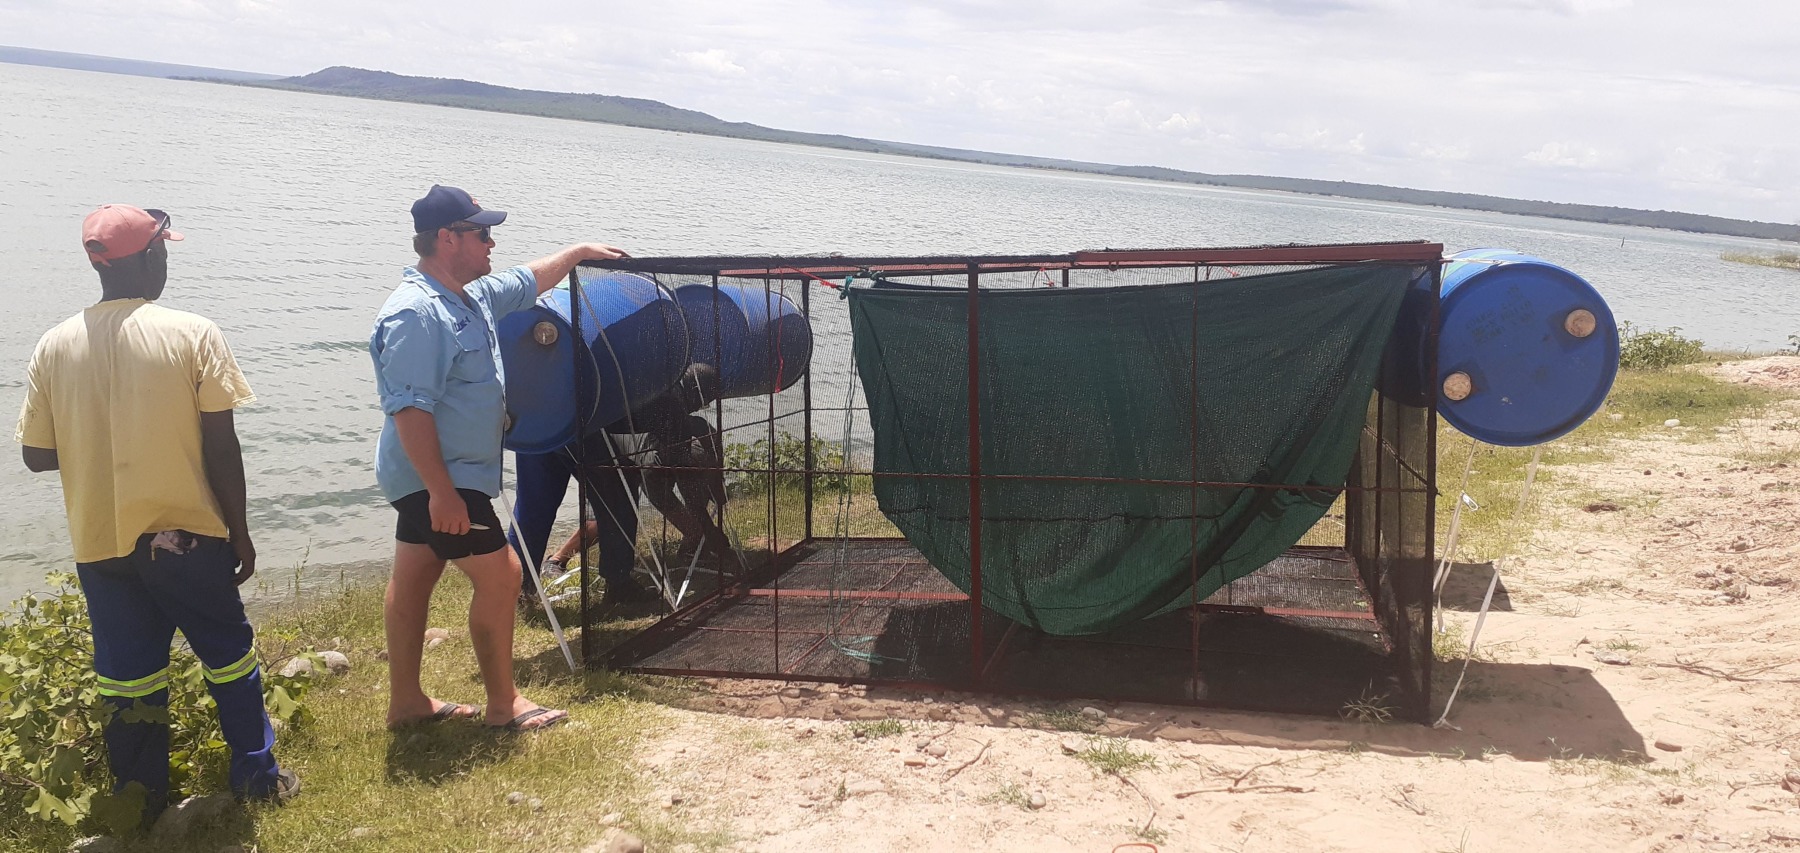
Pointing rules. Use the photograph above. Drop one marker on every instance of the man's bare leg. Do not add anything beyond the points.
(496, 578)
(660, 487)
(404, 611)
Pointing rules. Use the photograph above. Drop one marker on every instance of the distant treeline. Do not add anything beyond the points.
(640, 112)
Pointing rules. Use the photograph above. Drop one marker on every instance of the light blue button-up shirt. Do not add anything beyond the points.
(437, 352)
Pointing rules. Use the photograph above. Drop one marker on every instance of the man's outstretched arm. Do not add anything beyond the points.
(552, 269)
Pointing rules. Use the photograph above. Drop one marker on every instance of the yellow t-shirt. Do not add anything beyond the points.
(117, 392)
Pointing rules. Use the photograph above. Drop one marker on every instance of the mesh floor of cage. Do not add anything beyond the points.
(1295, 636)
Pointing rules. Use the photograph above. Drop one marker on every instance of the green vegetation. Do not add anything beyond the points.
(1010, 794)
(1368, 708)
(1641, 401)
(753, 461)
(1114, 757)
(1656, 349)
(429, 788)
(1061, 720)
(875, 729)
(1779, 260)
(1623, 644)
(52, 757)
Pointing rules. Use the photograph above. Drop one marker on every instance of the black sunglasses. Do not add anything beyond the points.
(481, 232)
(163, 222)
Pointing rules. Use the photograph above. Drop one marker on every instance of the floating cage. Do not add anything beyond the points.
(822, 586)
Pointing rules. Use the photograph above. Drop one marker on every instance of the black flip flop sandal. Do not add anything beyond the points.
(522, 723)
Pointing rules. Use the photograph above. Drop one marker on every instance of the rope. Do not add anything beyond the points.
(1487, 600)
(847, 647)
(1443, 721)
(1443, 569)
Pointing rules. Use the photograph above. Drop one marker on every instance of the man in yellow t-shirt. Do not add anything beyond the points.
(132, 402)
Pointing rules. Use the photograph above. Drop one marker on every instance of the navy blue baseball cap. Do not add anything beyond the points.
(445, 206)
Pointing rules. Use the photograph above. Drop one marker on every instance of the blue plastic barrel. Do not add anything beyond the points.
(635, 347)
(1527, 350)
(755, 337)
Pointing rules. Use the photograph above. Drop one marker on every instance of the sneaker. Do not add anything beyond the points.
(559, 577)
(626, 591)
(287, 787)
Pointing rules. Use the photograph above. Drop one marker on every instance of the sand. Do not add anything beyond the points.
(1678, 560)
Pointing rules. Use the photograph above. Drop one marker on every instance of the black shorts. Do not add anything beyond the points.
(414, 527)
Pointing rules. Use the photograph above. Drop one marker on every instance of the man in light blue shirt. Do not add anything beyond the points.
(437, 369)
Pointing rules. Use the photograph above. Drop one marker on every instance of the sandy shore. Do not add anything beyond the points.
(1676, 561)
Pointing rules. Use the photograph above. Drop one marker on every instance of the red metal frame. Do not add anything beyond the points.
(981, 660)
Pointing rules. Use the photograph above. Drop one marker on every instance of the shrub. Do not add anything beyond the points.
(790, 456)
(1656, 349)
(52, 755)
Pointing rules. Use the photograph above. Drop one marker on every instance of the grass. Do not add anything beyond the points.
(875, 729)
(1779, 260)
(1623, 644)
(441, 787)
(1062, 720)
(1114, 757)
(1010, 794)
(1451, 644)
(1642, 400)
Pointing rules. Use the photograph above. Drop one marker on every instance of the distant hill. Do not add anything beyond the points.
(639, 112)
(111, 65)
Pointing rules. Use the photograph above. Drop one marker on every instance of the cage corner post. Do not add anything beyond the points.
(974, 466)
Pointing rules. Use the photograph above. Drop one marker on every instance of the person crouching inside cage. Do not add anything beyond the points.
(679, 458)
(686, 483)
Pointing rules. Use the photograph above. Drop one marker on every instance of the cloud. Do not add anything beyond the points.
(713, 61)
(1652, 103)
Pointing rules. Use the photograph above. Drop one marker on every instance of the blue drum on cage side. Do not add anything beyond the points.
(753, 335)
(634, 346)
(1527, 350)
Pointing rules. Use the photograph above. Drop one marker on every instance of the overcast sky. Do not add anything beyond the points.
(1665, 104)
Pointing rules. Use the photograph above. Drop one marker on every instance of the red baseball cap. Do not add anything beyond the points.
(115, 231)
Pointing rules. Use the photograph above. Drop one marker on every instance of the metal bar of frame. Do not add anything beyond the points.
(974, 354)
(1423, 581)
(718, 364)
(774, 536)
(807, 268)
(1194, 493)
(1079, 478)
(806, 403)
(588, 655)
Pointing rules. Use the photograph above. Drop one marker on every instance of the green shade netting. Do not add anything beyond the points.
(1263, 379)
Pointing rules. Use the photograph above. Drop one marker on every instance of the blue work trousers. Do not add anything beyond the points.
(543, 480)
(176, 580)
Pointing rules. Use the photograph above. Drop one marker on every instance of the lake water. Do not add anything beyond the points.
(295, 209)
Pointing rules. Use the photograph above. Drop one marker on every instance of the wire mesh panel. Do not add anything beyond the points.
(1200, 476)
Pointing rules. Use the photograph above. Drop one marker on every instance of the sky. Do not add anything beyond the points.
(1661, 104)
